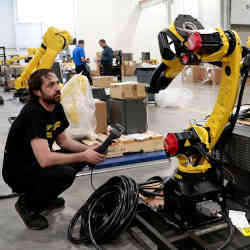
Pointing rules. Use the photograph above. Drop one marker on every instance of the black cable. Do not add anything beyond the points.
(231, 231)
(107, 213)
(243, 84)
(8, 196)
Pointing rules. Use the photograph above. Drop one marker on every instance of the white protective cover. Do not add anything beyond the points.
(79, 107)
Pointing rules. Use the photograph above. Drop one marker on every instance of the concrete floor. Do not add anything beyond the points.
(13, 233)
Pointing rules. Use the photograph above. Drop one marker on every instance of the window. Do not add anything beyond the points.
(58, 13)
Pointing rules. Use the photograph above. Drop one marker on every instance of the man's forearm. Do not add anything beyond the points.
(54, 159)
(73, 145)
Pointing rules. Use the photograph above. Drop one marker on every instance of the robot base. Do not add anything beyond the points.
(192, 201)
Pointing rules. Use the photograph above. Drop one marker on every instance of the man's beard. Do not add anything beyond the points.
(51, 99)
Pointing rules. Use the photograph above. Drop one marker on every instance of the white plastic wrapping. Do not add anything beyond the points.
(79, 107)
(172, 97)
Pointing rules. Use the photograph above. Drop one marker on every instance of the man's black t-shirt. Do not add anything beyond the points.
(32, 122)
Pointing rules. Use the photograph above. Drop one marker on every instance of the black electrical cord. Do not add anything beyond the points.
(152, 191)
(231, 231)
(107, 213)
(8, 196)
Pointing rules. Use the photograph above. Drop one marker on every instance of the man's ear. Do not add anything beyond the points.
(37, 93)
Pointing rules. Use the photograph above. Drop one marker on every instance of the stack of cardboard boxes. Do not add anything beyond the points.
(127, 107)
(194, 73)
(103, 81)
(128, 90)
(201, 74)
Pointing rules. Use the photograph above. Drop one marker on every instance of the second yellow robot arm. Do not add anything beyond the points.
(54, 41)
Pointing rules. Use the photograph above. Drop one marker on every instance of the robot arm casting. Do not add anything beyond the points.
(186, 42)
(54, 41)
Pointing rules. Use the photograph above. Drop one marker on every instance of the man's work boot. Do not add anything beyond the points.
(58, 203)
(31, 219)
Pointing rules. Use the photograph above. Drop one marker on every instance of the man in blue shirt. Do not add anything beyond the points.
(80, 61)
(107, 58)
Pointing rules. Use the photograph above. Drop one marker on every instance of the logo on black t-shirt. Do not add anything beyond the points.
(52, 127)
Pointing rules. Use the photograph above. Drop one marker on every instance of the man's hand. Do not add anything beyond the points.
(94, 146)
(85, 60)
(93, 157)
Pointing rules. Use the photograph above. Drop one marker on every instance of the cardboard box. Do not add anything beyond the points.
(194, 73)
(95, 73)
(101, 116)
(128, 90)
(216, 75)
(104, 81)
(114, 150)
(129, 68)
(151, 142)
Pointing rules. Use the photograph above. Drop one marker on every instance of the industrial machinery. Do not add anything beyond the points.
(31, 52)
(2, 61)
(9, 72)
(54, 41)
(195, 195)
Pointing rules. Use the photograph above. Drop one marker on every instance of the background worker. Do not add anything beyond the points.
(30, 165)
(107, 58)
(71, 48)
(81, 61)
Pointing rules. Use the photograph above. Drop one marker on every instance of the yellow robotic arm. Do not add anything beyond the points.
(31, 51)
(197, 186)
(54, 41)
(192, 44)
(15, 59)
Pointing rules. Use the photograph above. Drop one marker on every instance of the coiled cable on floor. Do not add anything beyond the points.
(9, 196)
(107, 213)
(231, 231)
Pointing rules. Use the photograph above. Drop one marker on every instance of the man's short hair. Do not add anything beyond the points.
(81, 42)
(102, 41)
(74, 41)
(35, 81)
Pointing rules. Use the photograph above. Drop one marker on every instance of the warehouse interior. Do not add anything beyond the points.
(152, 98)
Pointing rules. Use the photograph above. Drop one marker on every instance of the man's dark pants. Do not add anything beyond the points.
(84, 71)
(43, 185)
(107, 69)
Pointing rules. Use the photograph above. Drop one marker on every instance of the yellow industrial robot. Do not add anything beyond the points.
(31, 52)
(197, 184)
(53, 42)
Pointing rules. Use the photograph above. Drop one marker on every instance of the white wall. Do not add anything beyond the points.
(123, 24)
(151, 22)
(127, 27)
(139, 27)
(190, 7)
(7, 27)
(207, 12)
(210, 13)
(95, 21)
